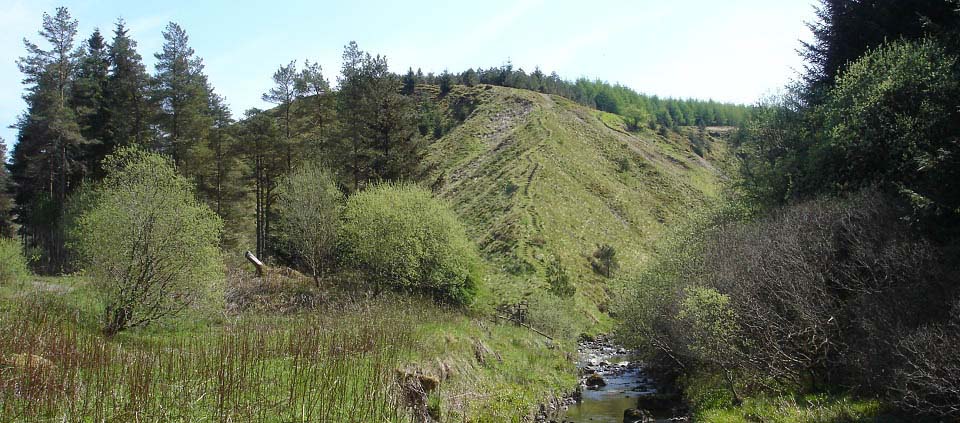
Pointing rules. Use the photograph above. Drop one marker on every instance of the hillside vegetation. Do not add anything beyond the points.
(537, 177)
(421, 209)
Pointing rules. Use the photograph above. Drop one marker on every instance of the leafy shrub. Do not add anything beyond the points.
(559, 279)
(149, 244)
(403, 238)
(309, 204)
(623, 164)
(13, 266)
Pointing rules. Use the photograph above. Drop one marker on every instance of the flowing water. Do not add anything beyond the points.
(626, 382)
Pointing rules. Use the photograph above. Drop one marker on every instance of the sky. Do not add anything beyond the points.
(735, 51)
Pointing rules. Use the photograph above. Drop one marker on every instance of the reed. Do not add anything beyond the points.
(337, 365)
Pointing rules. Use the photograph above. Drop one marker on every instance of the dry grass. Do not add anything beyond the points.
(336, 366)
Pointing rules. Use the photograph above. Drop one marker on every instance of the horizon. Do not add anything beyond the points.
(681, 50)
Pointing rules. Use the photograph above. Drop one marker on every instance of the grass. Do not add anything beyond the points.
(804, 409)
(535, 176)
(337, 363)
(532, 176)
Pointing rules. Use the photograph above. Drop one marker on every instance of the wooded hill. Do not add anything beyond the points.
(550, 187)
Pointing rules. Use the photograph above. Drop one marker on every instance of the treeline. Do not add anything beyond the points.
(87, 98)
(640, 109)
(836, 268)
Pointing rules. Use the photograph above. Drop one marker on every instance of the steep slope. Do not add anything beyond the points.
(536, 176)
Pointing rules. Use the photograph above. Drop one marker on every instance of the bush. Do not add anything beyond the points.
(928, 381)
(309, 204)
(555, 316)
(150, 246)
(559, 279)
(819, 295)
(13, 266)
(403, 238)
(604, 260)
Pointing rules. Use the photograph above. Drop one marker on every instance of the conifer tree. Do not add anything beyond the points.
(313, 87)
(47, 159)
(259, 144)
(350, 107)
(283, 95)
(130, 111)
(182, 94)
(446, 82)
(6, 198)
(378, 119)
(409, 82)
(88, 95)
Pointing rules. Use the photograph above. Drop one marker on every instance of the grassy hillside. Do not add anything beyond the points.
(536, 176)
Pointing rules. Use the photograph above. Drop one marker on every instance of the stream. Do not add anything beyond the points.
(613, 381)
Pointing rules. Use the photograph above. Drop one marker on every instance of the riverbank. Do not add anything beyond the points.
(338, 362)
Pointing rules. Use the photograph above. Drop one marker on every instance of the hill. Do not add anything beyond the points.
(537, 176)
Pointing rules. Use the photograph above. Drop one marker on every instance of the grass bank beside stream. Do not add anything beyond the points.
(338, 362)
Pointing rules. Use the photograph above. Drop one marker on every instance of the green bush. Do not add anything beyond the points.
(13, 266)
(403, 238)
(149, 244)
(559, 279)
(555, 316)
(309, 204)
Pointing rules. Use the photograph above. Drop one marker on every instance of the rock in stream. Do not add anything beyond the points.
(614, 387)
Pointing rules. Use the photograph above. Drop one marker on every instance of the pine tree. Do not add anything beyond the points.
(469, 78)
(409, 82)
(845, 30)
(216, 156)
(283, 95)
(6, 198)
(350, 108)
(396, 151)
(46, 165)
(88, 96)
(314, 89)
(446, 82)
(378, 121)
(130, 111)
(182, 93)
(259, 137)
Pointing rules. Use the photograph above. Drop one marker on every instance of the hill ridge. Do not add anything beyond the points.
(535, 175)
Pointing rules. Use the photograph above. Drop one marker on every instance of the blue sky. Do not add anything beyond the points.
(725, 50)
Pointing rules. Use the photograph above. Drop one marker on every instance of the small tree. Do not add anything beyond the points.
(604, 260)
(309, 204)
(150, 246)
(636, 117)
(409, 83)
(13, 266)
(446, 82)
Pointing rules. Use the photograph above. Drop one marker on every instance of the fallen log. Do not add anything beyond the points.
(525, 325)
(261, 268)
